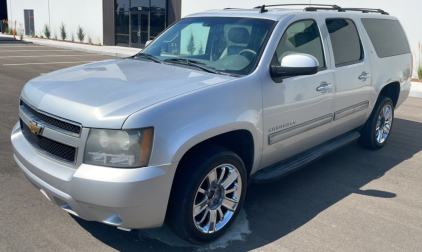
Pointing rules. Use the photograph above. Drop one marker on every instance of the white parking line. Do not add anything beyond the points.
(37, 51)
(41, 56)
(49, 63)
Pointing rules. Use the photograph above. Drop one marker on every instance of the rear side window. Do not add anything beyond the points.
(345, 41)
(387, 36)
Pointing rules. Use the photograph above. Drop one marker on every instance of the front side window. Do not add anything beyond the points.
(301, 37)
(345, 41)
(228, 45)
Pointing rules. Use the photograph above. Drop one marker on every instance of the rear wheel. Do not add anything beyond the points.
(207, 195)
(378, 127)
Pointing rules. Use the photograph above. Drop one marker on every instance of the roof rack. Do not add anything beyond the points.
(315, 7)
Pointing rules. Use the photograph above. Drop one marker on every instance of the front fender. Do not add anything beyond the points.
(184, 121)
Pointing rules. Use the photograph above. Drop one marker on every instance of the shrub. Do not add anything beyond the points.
(81, 34)
(47, 31)
(419, 73)
(63, 33)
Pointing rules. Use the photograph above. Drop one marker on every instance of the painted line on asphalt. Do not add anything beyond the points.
(49, 63)
(21, 46)
(37, 51)
(41, 56)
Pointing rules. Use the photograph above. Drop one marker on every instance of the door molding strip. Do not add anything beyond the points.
(350, 110)
(298, 129)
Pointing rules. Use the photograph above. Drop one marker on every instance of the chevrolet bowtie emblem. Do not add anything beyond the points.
(34, 128)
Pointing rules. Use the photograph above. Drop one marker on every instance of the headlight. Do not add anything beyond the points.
(119, 148)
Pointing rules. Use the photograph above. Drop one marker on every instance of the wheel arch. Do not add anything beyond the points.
(240, 140)
(392, 91)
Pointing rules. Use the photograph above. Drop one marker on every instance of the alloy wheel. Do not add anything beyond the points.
(217, 198)
(384, 122)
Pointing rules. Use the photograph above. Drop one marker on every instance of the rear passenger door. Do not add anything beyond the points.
(352, 72)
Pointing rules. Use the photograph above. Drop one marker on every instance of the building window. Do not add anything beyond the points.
(138, 21)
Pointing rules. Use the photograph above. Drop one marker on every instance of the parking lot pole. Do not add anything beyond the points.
(14, 31)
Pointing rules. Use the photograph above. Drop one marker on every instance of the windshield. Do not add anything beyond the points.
(226, 44)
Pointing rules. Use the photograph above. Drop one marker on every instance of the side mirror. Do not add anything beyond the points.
(294, 65)
(147, 43)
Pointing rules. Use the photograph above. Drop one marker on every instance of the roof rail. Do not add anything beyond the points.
(315, 7)
(366, 10)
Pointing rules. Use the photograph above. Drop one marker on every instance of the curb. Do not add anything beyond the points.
(82, 49)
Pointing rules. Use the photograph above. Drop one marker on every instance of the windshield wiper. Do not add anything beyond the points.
(193, 63)
(148, 56)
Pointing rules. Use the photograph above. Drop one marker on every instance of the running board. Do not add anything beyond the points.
(281, 169)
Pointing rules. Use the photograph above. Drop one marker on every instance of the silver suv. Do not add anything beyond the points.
(219, 100)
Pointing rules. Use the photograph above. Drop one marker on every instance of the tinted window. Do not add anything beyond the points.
(301, 37)
(387, 36)
(345, 41)
(122, 5)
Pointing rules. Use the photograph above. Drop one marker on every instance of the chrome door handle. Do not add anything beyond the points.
(364, 76)
(324, 87)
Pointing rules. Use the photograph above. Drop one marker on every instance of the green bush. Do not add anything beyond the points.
(81, 34)
(420, 73)
(47, 31)
(63, 33)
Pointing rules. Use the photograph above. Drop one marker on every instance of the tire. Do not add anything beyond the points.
(377, 129)
(192, 186)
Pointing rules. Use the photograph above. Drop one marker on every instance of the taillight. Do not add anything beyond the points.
(411, 68)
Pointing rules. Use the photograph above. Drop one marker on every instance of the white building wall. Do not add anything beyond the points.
(407, 11)
(86, 13)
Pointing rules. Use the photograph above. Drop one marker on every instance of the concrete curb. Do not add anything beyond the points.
(103, 50)
(416, 90)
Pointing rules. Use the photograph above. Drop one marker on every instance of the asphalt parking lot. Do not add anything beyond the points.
(352, 200)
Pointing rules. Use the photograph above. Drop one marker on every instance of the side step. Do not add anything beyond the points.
(279, 170)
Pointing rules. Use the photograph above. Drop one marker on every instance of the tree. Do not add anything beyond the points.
(47, 31)
(81, 34)
(191, 47)
(63, 32)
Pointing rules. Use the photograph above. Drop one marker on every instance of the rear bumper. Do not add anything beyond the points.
(130, 198)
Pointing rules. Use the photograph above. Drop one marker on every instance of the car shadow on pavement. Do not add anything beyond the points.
(274, 210)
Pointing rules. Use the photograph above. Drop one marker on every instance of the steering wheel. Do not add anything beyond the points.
(251, 53)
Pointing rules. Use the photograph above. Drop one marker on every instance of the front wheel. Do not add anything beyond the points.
(377, 129)
(207, 195)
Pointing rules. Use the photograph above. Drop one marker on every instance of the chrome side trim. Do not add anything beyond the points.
(350, 110)
(33, 117)
(296, 130)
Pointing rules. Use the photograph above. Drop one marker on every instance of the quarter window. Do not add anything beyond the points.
(345, 41)
(301, 37)
(387, 36)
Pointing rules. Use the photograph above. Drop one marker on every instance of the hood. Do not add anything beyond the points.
(104, 94)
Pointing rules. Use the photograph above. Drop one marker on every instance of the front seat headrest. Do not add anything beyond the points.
(239, 35)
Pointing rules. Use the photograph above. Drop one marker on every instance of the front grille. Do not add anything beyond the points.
(51, 121)
(49, 147)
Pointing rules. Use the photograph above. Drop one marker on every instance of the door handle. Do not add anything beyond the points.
(324, 87)
(364, 76)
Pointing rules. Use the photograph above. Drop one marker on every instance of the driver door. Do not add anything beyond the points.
(297, 116)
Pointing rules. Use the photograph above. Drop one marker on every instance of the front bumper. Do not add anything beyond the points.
(129, 198)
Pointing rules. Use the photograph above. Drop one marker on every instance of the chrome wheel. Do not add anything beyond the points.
(384, 122)
(217, 198)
